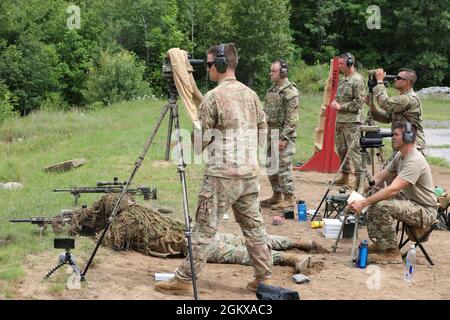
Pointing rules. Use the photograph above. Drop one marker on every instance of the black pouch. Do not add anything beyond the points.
(267, 292)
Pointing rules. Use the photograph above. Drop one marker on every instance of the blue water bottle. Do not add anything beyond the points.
(362, 254)
(301, 210)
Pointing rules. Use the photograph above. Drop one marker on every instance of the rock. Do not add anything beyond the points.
(277, 221)
(11, 185)
(300, 278)
(66, 165)
(74, 281)
(434, 90)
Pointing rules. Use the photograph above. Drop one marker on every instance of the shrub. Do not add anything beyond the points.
(118, 77)
(7, 103)
(309, 79)
(54, 102)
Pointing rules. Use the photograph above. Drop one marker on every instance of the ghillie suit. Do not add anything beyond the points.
(136, 226)
(145, 229)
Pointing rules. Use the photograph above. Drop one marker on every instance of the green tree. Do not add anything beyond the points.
(263, 34)
(118, 76)
(7, 103)
(31, 70)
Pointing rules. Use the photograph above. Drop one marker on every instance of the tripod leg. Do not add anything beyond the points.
(187, 218)
(169, 135)
(341, 230)
(320, 204)
(372, 160)
(333, 181)
(126, 187)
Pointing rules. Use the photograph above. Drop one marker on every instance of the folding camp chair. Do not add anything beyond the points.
(418, 239)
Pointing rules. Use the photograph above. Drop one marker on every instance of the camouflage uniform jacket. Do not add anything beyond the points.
(350, 95)
(281, 108)
(404, 107)
(234, 112)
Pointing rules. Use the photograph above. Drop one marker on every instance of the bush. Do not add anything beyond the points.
(309, 79)
(54, 102)
(117, 77)
(7, 103)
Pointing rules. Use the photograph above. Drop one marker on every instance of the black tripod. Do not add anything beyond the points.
(174, 119)
(370, 122)
(64, 258)
(363, 174)
(331, 183)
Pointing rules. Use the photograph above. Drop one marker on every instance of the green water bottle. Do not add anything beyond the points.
(439, 191)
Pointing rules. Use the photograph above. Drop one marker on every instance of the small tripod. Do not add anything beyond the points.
(174, 119)
(64, 258)
(363, 174)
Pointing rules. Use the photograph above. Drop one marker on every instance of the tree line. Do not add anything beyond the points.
(57, 54)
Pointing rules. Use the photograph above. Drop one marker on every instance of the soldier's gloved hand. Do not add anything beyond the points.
(281, 145)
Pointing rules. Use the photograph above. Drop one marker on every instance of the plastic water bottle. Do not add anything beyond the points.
(439, 191)
(301, 210)
(410, 265)
(362, 254)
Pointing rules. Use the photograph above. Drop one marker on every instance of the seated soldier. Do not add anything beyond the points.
(145, 229)
(417, 206)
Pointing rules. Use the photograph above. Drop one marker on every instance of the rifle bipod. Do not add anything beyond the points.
(173, 120)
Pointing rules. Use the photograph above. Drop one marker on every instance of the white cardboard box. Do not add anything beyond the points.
(331, 228)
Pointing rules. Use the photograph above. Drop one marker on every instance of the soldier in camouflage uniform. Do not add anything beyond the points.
(348, 104)
(404, 107)
(228, 113)
(281, 108)
(417, 205)
(147, 230)
(230, 248)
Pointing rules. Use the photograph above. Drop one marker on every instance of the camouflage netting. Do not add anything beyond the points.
(136, 227)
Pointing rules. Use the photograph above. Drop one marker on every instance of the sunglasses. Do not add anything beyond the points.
(209, 64)
(400, 78)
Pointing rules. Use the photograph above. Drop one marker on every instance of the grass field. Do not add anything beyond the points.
(110, 140)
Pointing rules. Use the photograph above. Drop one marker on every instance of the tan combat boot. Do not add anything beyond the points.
(253, 285)
(175, 286)
(276, 198)
(390, 256)
(298, 261)
(310, 246)
(288, 202)
(343, 180)
(373, 248)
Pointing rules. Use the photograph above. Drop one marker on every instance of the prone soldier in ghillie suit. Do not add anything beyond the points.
(145, 229)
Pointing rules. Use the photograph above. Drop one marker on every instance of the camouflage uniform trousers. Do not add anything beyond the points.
(282, 181)
(346, 132)
(230, 248)
(215, 198)
(381, 216)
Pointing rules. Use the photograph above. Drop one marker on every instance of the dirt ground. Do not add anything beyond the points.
(130, 275)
